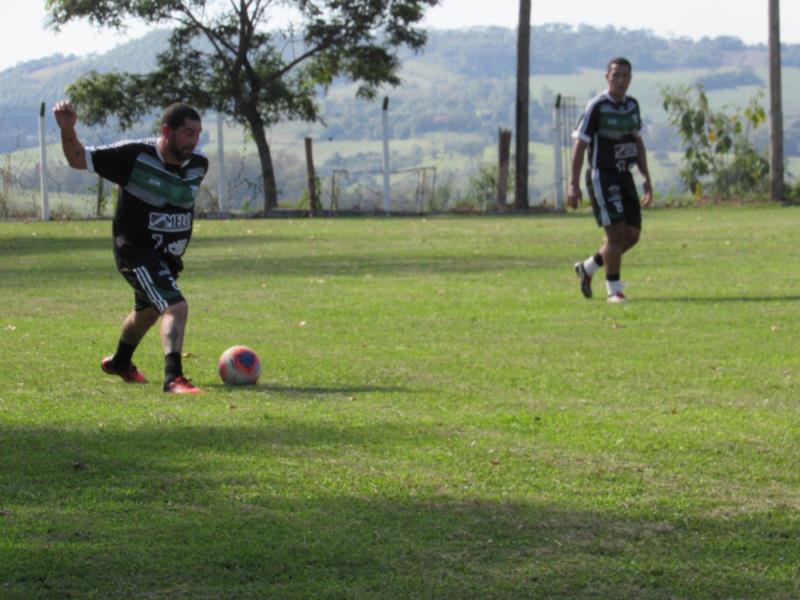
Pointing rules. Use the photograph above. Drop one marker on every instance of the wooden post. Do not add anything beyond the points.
(313, 203)
(775, 104)
(504, 156)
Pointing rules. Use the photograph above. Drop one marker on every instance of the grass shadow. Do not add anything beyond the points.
(719, 299)
(152, 514)
(299, 266)
(308, 390)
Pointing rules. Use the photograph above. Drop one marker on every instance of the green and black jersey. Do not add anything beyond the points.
(612, 130)
(156, 202)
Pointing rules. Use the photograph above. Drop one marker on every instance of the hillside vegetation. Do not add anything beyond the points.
(454, 97)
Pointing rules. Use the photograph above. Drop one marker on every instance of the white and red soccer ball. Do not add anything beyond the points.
(239, 365)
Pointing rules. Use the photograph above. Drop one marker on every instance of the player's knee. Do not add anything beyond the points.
(143, 319)
(615, 236)
(149, 317)
(179, 309)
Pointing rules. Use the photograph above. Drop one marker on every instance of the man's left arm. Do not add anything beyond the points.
(641, 162)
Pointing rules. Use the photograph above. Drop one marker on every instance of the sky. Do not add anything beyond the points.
(25, 36)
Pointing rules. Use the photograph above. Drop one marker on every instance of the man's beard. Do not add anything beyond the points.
(178, 152)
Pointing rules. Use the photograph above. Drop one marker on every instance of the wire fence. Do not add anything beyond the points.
(410, 191)
(233, 185)
(352, 183)
(565, 120)
(60, 191)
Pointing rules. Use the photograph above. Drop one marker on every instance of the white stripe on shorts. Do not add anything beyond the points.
(150, 290)
(598, 196)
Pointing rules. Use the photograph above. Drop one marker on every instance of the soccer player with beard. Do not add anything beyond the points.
(610, 128)
(159, 179)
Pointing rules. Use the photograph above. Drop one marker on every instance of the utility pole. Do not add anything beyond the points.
(775, 104)
(523, 101)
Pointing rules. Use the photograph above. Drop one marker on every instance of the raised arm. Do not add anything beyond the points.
(574, 191)
(66, 118)
(641, 162)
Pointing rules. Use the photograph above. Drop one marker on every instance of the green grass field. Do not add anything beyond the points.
(440, 415)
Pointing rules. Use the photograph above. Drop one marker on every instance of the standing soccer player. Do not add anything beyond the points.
(159, 179)
(610, 128)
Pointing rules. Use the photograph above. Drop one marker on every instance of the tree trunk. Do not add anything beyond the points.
(265, 158)
(523, 96)
(311, 175)
(775, 104)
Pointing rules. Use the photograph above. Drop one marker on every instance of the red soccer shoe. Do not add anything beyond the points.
(181, 385)
(129, 375)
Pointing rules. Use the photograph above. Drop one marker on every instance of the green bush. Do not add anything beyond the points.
(720, 158)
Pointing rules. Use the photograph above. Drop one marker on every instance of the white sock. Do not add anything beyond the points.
(590, 266)
(613, 287)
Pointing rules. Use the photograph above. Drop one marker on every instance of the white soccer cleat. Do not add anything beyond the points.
(585, 279)
(616, 297)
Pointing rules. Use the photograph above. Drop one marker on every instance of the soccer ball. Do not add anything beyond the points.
(239, 365)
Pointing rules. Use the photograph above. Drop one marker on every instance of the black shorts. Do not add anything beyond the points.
(614, 197)
(152, 275)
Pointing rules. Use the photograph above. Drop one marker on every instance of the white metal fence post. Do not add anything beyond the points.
(221, 202)
(559, 170)
(387, 198)
(43, 166)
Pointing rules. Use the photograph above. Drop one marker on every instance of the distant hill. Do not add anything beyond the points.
(25, 86)
(562, 50)
(480, 62)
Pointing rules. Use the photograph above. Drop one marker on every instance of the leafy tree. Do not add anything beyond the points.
(222, 57)
(720, 157)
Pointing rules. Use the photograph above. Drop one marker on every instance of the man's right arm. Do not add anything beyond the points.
(66, 118)
(574, 191)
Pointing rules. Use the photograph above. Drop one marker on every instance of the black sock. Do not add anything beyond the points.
(122, 357)
(613, 277)
(598, 259)
(172, 366)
